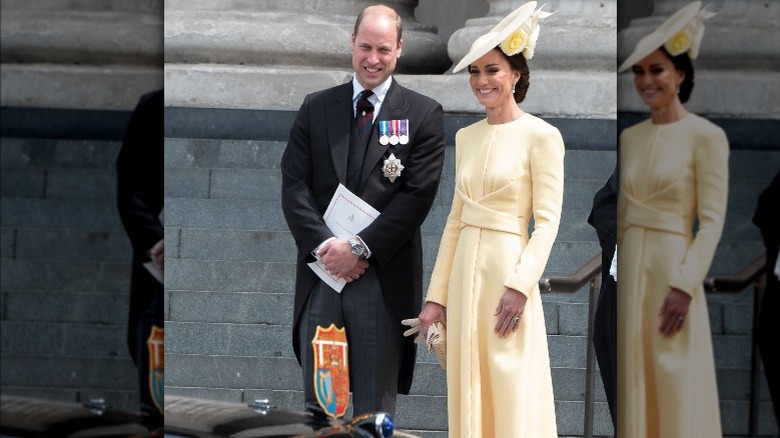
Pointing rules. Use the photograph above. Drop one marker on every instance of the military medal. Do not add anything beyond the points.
(384, 129)
(394, 132)
(392, 168)
(404, 138)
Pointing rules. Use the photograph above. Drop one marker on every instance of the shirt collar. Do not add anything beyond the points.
(380, 92)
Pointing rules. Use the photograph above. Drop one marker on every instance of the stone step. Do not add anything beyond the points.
(64, 372)
(65, 339)
(67, 245)
(75, 214)
(278, 277)
(66, 307)
(759, 165)
(64, 276)
(427, 414)
(38, 153)
(279, 246)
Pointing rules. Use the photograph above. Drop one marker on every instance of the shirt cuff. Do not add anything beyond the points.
(613, 266)
(362, 242)
(314, 253)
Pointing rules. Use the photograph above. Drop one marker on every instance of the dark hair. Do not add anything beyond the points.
(519, 64)
(682, 62)
(390, 12)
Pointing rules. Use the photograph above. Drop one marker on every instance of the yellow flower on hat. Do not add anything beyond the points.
(679, 43)
(514, 43)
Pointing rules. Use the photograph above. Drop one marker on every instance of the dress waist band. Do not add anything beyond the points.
(641, 215)
(477, 215)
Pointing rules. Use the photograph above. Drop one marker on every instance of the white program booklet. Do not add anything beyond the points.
(346, 216)
(152, 266)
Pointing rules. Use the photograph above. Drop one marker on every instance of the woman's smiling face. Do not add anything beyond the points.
(656, 80)
(491, 78)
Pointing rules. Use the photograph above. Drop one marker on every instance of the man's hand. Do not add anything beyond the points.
(339, 260)
(157, 254)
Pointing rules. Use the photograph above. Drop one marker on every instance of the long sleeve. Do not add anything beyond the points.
(440, 278)
(711, 170)
(301, 211)
(547, 185)
(139, 167)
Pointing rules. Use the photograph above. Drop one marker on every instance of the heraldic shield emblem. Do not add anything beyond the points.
(156, 366)
(331, 370)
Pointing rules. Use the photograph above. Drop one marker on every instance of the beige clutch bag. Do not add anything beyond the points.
(435, 341)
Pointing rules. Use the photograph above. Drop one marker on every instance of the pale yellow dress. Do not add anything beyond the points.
(670, 174)
(504, 173)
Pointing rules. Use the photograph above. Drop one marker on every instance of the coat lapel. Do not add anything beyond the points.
(394, 107)
(339, 121)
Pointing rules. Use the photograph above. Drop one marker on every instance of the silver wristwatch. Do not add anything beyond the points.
(357, 248)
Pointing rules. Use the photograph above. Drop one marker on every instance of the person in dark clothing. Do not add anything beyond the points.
(603, 217)
(139, 168)
(767, 218)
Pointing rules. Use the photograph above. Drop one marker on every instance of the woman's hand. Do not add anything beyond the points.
(431, 313)
(673, 312)
(509, 311)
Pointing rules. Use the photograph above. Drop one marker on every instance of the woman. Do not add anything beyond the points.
(673, 171)
(484, 286)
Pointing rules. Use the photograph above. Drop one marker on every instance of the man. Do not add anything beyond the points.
(397, 172)
(140, 201)
(603, 217)
(766, 218)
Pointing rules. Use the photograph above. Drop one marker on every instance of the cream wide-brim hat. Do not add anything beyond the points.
(499, 33)
(659, 37)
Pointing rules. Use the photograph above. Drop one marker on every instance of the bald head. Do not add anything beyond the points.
(380, 10)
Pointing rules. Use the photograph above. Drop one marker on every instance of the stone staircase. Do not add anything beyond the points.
(65, 275)
(230, 279)
(230, 283)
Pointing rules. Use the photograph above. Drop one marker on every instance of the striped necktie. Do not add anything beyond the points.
(364, 115)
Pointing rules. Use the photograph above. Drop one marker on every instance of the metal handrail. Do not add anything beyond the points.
(588, 273)
(739, 281)
(752, 273)
(575, 281)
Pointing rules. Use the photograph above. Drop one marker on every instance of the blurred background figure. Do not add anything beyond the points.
(139, 169)
(767, 218)
(673, 171)
(603, 218)
(72, 74)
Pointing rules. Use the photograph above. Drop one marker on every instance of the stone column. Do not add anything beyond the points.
(269, 54)
(89, 54)
(574, 61)
(736, 70)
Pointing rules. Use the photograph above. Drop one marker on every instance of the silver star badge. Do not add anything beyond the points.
(392, 168)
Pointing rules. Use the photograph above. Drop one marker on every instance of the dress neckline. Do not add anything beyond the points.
(661, 125)
(506, 123)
